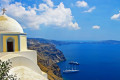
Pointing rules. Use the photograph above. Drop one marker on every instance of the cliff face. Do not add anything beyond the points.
(48, 56)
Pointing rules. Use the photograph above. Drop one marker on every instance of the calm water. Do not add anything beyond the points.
(97, 61)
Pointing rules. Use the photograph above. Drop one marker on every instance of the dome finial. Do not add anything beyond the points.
(4, 10)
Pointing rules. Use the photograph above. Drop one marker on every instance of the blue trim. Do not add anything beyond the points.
(13, 34)
(1, 43)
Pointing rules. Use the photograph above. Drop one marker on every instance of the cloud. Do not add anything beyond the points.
(81, 4)
(43, 7)
(90, 10)
(96, 27)
(116, 16)
(85, 4)
(46, 14)
(3, 3)
(49, 3)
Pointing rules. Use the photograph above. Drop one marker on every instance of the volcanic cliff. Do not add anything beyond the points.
(48, 56)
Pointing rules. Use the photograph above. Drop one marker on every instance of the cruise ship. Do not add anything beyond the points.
(70, 71)
(73, 70)
(74, 63)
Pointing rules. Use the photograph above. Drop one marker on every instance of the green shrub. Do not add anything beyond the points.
(4, 71)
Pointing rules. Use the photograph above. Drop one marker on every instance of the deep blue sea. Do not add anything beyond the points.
(97, 61)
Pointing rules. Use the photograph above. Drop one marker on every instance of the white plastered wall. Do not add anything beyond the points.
(0, 44)
(23, 43)
(23, 58)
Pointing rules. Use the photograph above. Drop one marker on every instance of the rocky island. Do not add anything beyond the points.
(48, 56)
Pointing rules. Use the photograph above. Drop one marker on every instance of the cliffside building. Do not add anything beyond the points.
(13, 46)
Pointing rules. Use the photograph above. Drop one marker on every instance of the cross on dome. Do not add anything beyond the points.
(4, 10)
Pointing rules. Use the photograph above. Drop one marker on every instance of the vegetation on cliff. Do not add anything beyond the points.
(48, 56)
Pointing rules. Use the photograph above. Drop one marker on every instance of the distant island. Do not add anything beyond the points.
(57, 42)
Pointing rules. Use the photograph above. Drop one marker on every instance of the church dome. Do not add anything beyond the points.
(8, 24)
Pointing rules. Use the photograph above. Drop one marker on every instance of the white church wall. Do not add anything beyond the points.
(22, 61)
(30, 54)
(26, 75)
(23, 43)
(0, 44)
(23, 58)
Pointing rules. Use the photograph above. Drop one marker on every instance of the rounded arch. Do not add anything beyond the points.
(18, 60)
(10, 44)
(23, 61)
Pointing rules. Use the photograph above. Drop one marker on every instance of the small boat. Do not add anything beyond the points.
(70, 71)
(75, 63)
(73, 70)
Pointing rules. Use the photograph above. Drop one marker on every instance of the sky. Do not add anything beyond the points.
(66, 19)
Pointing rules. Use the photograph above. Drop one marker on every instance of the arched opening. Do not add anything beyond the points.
(10, 45)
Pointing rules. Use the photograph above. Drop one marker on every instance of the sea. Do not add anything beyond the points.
(97, 61)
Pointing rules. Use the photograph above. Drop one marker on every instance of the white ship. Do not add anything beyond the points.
(74, 63)
(70, 70)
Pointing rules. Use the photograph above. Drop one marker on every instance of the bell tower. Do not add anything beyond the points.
(12, 37)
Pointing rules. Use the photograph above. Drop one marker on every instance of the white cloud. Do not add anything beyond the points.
(96, 27)
(116, 16)
(5, 1)
(46, 14)
(49, 3)
(74, 25)
(81, 4)
(85, 4)
(90, 10)
(43, 7)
